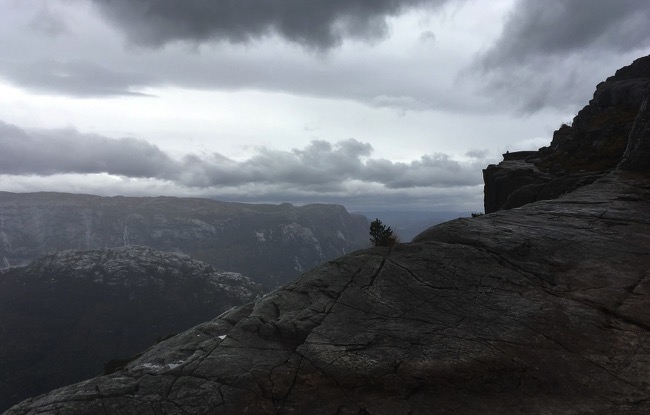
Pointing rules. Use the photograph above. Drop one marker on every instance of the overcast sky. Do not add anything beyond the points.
(373, 104)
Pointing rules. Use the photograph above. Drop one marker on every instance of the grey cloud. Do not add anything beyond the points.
(315, 24)
(322, 166)
(545, 55)
(319, 167)
(427, 36)
(437, 170)
(48, 22)
(77, 78)
(478, 154)
(48, 152)
(563, 27)
(90, 60)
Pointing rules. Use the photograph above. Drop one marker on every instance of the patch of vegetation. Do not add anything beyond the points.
(380, 235)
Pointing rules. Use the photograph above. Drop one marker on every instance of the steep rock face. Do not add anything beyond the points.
(579, 154)
(285, 240)
(637, 153)
(66, 315)
(541, 309)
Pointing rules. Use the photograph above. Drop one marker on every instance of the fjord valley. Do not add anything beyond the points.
(91, 280)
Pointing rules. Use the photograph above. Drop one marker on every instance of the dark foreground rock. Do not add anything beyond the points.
(542, 309)
(66, 316)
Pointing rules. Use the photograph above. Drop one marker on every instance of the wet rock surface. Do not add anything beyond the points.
(285, 240)
(541, 309)
(72, 315)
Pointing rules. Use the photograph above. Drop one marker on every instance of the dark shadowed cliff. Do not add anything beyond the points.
(579, 153)
(536, 310)
(285, 240)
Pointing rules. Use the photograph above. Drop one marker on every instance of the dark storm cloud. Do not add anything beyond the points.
(319, 167)
(50, 152)
(315, 24)
(564, 27)
(76, 78)
(545, 55)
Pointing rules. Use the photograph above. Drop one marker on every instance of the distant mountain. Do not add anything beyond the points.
(66, 315)
(272, 244)
(407, 224)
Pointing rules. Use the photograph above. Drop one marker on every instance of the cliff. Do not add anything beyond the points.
(580, 153)
(66, 315)
(285, 240)
(541, 309)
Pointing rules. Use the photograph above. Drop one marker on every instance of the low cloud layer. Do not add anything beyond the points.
(76, 78)
(320, 25)
(47, 152)
(338, 169)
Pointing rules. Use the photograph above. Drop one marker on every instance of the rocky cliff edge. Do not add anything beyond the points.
(586, 149)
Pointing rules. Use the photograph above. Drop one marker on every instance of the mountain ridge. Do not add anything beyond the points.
(285, 239)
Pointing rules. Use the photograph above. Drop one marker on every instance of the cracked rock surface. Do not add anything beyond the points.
(541, 309)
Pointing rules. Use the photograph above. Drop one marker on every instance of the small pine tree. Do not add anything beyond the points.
(380, 235)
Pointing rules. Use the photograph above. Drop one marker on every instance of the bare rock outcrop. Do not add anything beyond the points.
(580, 153)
